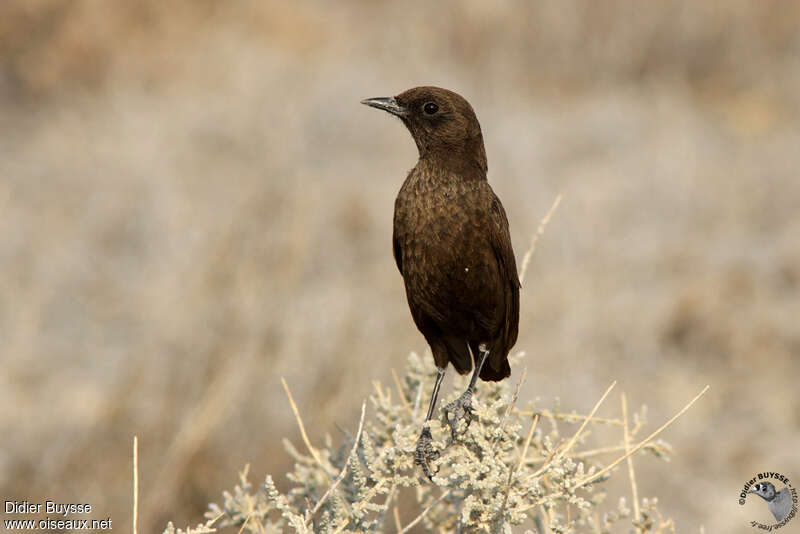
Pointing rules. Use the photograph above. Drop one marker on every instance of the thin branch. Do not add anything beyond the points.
(511, 402)
(627, 440)
(400, 390)
(515, 396)
(513, 472)
(307, 442)
(251, 513)
(344, 468)
(342, 526)
(383, 396)
(365, 500)
(574, 439)
(539, 231)
(591, 478)
(596, 524)
(303, 434)
(638, 423)
(418, 399)
(135, 484)
(397, 524)
(563, 450)
(546, 513)
(387, 503)
(655, 448)
(569, 417)
(527, 442)
(244, 523)
(425, 512)
(195, 430)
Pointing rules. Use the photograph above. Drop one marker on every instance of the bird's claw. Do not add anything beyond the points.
(425, 453)
(461, 408)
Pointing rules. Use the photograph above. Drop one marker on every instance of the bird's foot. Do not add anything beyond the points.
(425, 453)
(461, 408)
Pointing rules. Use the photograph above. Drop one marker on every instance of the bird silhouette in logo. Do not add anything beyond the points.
(780, 502)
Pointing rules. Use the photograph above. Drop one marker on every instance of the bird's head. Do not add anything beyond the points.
(765, 490)
(441, 122)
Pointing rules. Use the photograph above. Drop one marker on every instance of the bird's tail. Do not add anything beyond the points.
(490, 373)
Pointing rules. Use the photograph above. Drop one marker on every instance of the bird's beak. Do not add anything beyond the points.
(386, 104)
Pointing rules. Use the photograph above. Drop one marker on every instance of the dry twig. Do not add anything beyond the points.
(591, 478)
(539, 231)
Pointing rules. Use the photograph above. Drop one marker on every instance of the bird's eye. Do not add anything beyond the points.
(430, 108)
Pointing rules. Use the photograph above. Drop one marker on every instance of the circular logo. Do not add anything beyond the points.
(774, 492)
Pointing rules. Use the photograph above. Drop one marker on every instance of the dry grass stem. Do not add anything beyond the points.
(194, 433)
(569, 417)
(568, 446)
(631, 475)
(344, 469)
(514, 398)
(418, 399)
(135, 484)
(527, 442)
(425, 512)
(514, 471)
(604, 450)
(399, 387)
(642, 443)
(247, 519)
(302, 427)
(397, 524)
(539, 231)
(577, 434)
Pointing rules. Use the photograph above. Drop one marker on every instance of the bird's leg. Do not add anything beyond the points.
(424, 452)
(462, 406)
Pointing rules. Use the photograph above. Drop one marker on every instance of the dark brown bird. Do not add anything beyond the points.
(453, 249)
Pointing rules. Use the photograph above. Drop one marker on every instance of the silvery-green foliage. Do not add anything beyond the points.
(481, 484)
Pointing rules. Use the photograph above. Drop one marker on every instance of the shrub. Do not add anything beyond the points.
(505, 470)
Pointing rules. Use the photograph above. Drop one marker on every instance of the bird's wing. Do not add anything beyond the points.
(398, 253)
(781, 505)
(504, 253)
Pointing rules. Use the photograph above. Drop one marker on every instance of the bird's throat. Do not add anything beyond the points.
(469, 166)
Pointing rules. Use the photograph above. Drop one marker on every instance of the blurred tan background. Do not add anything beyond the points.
(193, 203)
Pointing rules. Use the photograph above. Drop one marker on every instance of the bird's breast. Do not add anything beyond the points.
(442, 229)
